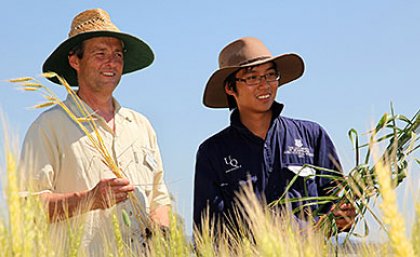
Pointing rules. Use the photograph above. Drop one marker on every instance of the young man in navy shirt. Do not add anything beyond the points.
(260, 146)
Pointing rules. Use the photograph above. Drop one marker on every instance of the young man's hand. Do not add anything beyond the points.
(345, 215)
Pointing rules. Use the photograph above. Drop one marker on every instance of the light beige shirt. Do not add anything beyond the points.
(58, 157)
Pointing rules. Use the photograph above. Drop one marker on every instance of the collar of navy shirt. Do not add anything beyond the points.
(235, 120)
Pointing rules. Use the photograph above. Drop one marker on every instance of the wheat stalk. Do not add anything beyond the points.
(415, 234)
(399, 242)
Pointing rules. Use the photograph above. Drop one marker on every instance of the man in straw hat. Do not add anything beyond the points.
(61, 163)
(260, 146)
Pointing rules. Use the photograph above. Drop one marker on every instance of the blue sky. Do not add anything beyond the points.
(359, 57)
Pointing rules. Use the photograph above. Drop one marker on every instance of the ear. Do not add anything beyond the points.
(74, 62)
(229, 90)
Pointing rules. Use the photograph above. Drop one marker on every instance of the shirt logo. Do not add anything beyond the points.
(233, 163)
(298, 149)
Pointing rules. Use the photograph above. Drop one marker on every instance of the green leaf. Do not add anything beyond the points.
(355, 142)
(403, 118)
(382, 122)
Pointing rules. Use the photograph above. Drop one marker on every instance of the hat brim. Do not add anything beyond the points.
(291, 67)
(138, 55)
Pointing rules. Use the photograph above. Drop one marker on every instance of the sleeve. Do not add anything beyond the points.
(326, 156)
(39, 159)
(160, 191)
(208, 199)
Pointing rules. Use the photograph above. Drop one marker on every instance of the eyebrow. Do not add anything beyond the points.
(99, 49)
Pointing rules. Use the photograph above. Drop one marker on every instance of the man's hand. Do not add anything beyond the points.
(109, 191)
(344, 214)
(160, 215)
(105, 194)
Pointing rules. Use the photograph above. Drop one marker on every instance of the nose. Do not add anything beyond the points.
(263, 82)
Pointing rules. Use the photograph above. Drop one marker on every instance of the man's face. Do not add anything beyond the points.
(255, 98)
(100, 68)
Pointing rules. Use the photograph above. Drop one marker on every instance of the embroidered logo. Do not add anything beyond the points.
(298, 149)
(233, 163)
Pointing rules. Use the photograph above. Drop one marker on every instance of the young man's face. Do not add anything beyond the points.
(100, 68)
(258, 97)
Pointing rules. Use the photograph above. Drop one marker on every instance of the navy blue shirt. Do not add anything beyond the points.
(232, 157)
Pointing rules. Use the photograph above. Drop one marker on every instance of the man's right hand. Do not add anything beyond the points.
(108, 192)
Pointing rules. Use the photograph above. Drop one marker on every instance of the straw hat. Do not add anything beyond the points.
(245, 52)
(96, 23)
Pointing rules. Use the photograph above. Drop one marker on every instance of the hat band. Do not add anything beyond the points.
(254, 60)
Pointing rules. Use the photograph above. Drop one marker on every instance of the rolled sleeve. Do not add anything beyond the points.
(326, 157)
(39, 159)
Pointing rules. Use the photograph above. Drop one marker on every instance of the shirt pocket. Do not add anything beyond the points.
(139, 166)
(300, 179)
(87, 166)
(300, 183)
(302, 171)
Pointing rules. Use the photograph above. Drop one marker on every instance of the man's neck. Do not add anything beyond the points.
(257, 123)
(102, 105)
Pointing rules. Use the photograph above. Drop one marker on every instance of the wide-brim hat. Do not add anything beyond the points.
(90, 24)
(246, 52)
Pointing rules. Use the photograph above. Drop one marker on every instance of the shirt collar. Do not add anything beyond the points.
(73, 106)
(236, 121)
(277, 109)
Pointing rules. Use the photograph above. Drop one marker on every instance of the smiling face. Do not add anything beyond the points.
(256, 98)
(100, 68)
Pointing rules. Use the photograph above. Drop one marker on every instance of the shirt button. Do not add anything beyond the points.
(270, 169)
